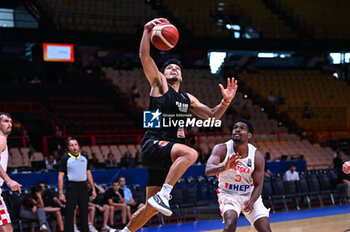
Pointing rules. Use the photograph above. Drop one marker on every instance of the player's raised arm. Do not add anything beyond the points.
(152, 73)
(204, 112)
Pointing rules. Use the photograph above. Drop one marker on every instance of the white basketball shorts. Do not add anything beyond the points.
(236, 202)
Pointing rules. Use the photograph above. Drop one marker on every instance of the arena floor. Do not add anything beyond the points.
(335, 219)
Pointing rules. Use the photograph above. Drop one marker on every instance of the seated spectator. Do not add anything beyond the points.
(57, 156)
(110, 162)
(94, 163)
(52, 202)
(32, 208)
(127, 161)
(114, 197)
(50, 162)
(291, 174)
(129, 200)
(100, 206)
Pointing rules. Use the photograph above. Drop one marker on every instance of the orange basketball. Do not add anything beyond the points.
(164, 36)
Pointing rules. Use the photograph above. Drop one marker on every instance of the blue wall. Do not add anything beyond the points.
(136, 175)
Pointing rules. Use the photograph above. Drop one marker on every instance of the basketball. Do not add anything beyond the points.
(164, 36)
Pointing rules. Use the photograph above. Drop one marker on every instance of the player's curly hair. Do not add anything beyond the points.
(249, 125)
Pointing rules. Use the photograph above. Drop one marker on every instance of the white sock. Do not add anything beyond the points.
(166, 190)
(126, 229)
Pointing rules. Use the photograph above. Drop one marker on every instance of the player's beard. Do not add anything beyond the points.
(237, 140)
(7, 131)
(172, 79)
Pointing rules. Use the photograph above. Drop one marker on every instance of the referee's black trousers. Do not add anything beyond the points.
(76, 194)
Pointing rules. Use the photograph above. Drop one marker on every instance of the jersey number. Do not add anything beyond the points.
(238, 178)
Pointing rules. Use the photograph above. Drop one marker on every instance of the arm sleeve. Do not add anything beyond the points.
(63, 164)
(87, 161)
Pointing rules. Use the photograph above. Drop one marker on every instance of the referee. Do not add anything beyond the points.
(75, 166)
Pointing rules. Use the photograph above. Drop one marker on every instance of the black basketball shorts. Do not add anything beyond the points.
(156, 156)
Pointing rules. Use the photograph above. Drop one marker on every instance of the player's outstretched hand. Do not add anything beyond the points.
(248, 206)
(14, 186)
(231, 89)
(149, 26)
(232, 161)
(346, 167)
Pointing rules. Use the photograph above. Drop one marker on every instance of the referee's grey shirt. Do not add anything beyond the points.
(74, 167)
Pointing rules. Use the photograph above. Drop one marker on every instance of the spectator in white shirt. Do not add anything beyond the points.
(51, 164)
(291, 174)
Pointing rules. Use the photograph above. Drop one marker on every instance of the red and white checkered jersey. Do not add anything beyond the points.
(238, 180)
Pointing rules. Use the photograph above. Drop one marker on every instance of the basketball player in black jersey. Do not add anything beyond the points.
(163, 151)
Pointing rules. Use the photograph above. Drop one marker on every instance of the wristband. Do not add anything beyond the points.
(225, 103)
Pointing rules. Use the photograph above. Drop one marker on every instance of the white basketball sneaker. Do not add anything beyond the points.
(76, 228)
(161, 203)
(43, 227)
(92, 228)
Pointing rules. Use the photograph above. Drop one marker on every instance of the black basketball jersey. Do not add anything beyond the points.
(174, 104)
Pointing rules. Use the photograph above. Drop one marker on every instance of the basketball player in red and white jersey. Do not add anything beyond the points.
(5, 130)
(239, 167)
